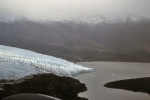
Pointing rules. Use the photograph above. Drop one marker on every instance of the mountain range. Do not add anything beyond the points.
(96, 39)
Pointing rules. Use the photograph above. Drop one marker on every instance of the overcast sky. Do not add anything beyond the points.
(49, 9)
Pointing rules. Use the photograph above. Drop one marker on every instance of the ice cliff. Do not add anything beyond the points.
(17, 63)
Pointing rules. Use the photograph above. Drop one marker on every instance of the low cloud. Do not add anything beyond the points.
(50, 9)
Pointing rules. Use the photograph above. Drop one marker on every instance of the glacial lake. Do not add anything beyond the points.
(111, 71)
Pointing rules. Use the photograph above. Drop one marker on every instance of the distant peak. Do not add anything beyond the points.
(87, 20)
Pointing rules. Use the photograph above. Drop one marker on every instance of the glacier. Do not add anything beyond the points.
(18, 63)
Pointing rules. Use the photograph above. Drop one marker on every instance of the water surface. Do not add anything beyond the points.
(111, 71)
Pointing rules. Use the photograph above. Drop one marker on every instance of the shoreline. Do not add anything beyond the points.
(135, 84)
(114, 61)
(110, 71)
(47, 84)
(32, 76)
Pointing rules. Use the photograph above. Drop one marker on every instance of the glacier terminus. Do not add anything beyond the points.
(18, 63)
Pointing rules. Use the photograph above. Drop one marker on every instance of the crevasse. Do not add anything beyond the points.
(17, 63)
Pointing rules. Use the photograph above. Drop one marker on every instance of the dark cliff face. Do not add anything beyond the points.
(121, 41)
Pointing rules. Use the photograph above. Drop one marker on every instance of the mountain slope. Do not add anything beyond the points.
(118, 41)
(48, 39)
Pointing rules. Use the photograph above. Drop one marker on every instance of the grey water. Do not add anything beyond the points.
(111, 71)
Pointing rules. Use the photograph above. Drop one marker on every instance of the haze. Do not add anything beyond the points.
(52, 9)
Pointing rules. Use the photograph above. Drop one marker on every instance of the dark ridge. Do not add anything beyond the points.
(70, 54)
(65, 88)
(125, 42)
(135, 85)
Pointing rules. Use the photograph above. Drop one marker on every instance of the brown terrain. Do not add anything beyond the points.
(80, 41)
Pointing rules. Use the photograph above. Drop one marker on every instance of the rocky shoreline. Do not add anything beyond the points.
(65, 88)
(135, 85)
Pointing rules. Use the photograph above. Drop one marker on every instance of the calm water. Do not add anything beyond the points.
(110, 71)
